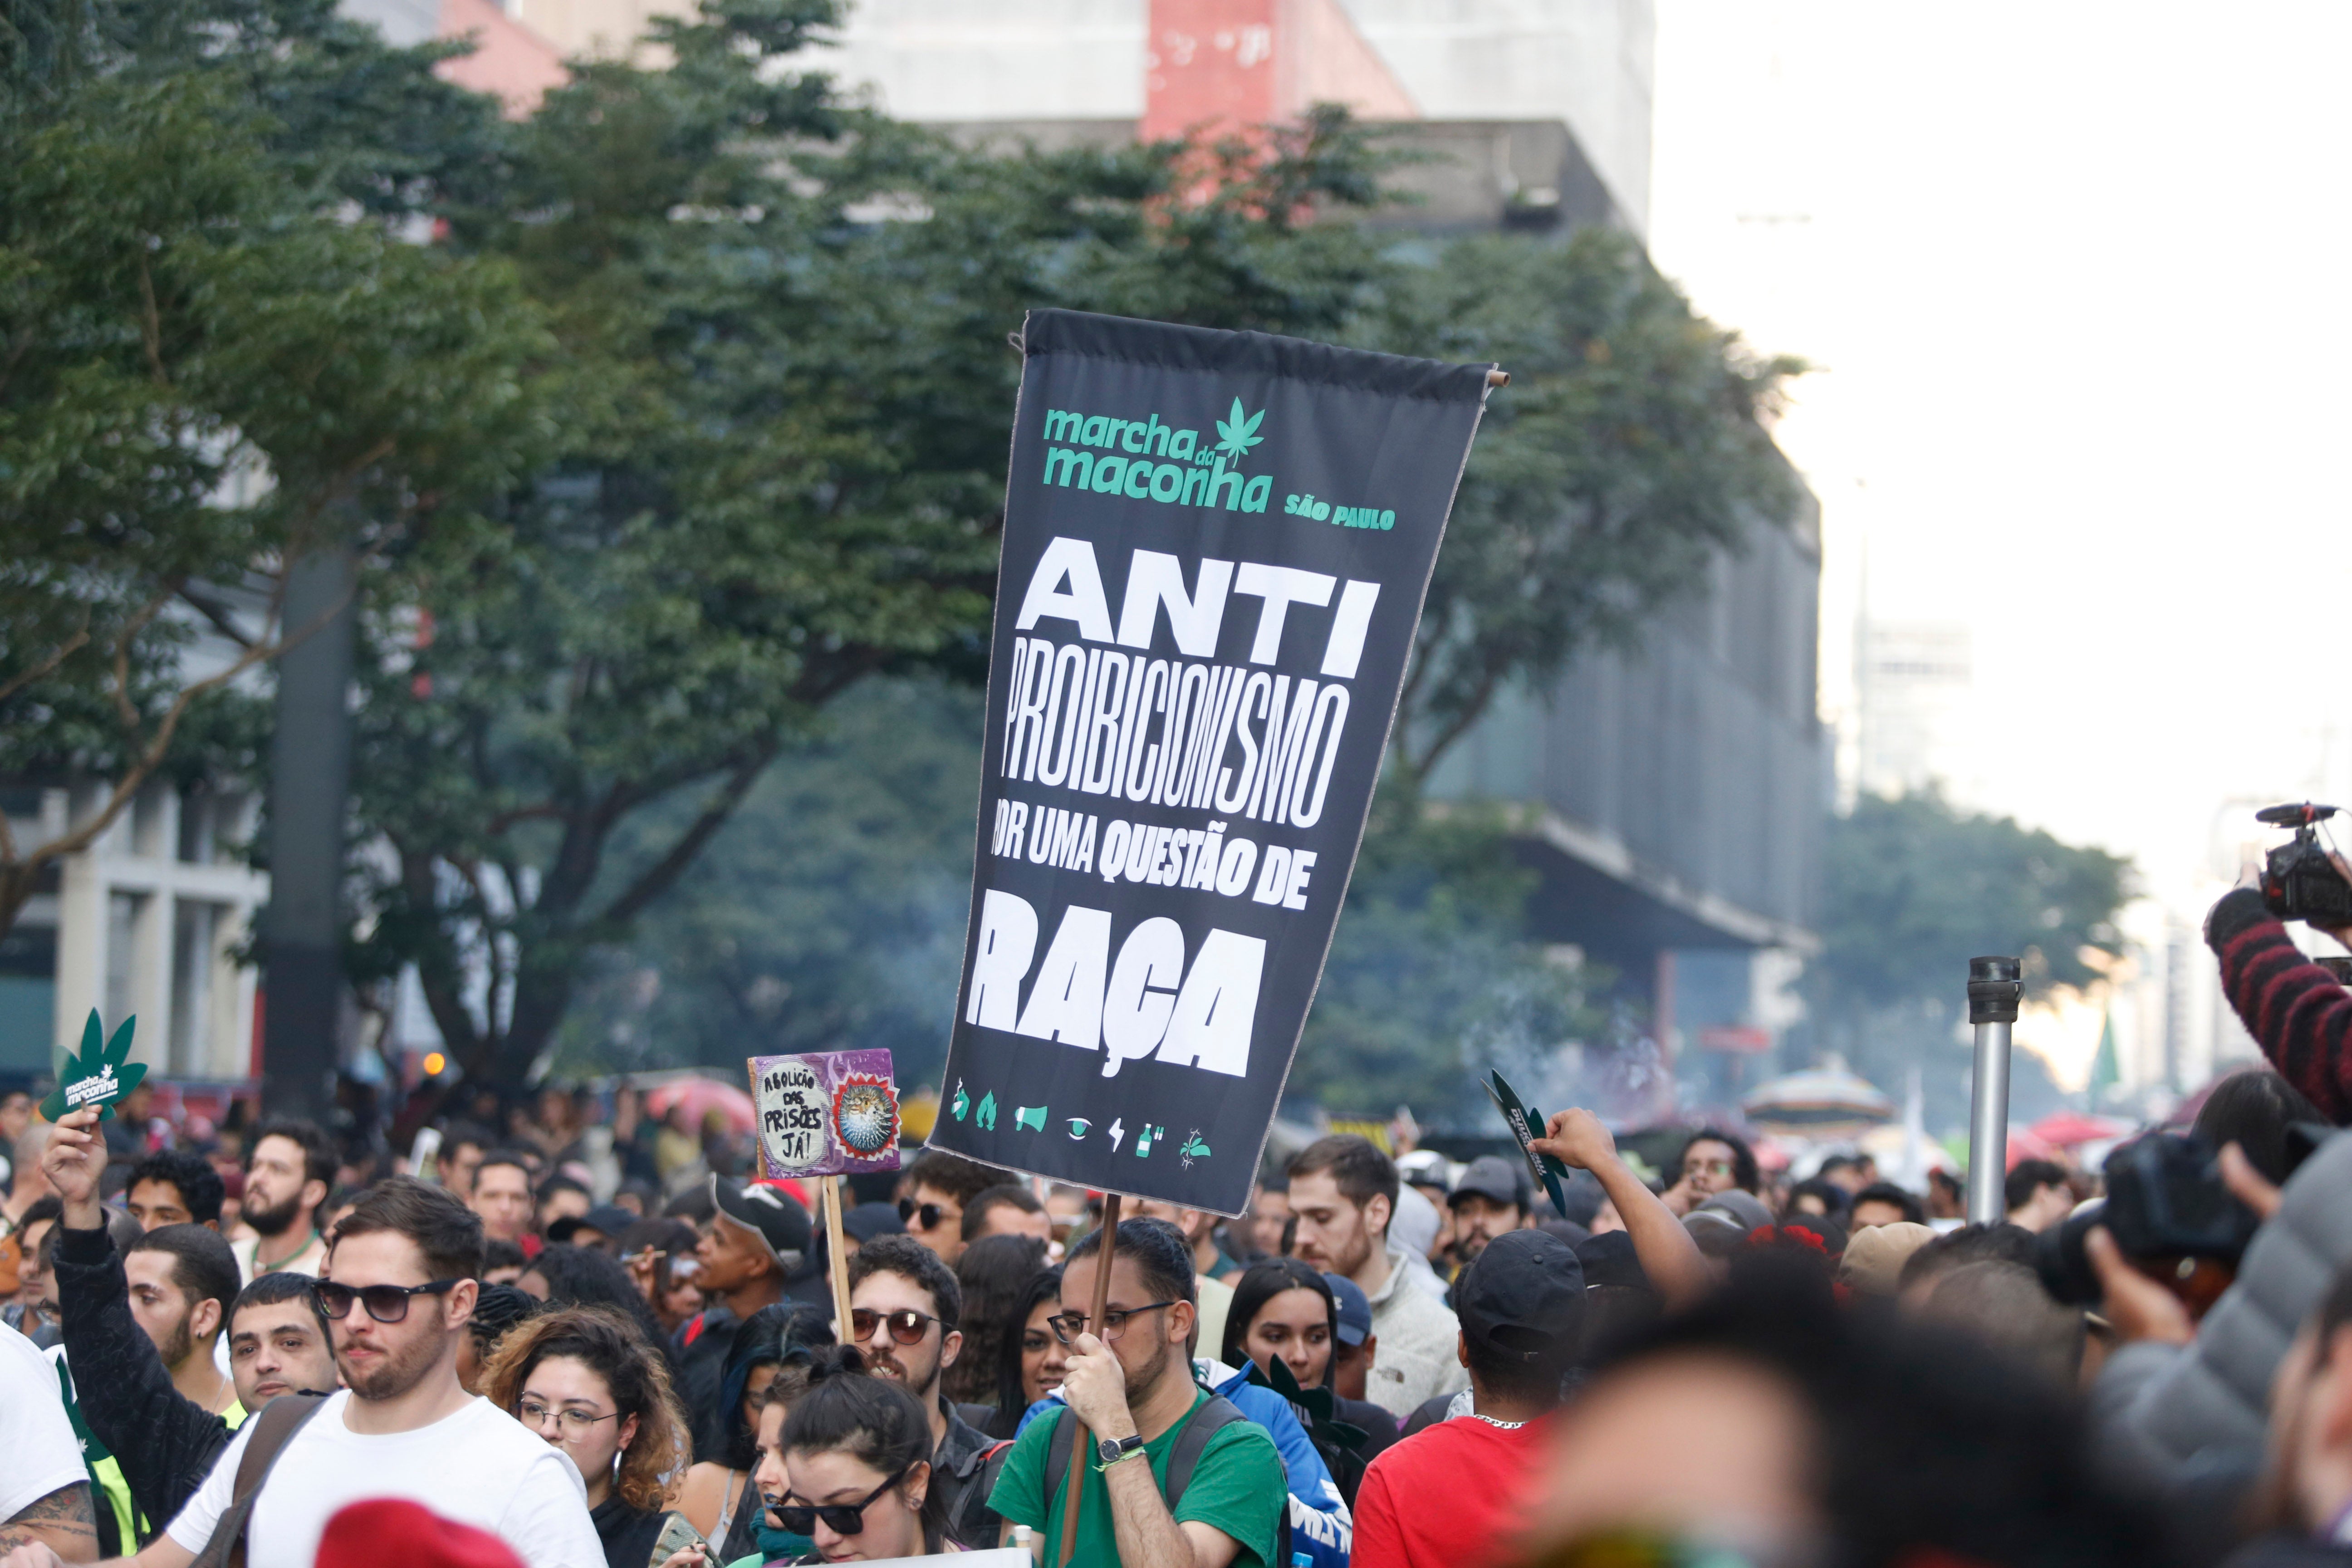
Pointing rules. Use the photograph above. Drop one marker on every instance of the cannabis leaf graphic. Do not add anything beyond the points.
(1237, 433)
(97, 1076)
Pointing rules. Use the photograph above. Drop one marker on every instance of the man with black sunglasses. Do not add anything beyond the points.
(904, 1305)
(937, 1187)
(400, 1286)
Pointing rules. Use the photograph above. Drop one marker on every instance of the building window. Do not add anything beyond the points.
(192, 927)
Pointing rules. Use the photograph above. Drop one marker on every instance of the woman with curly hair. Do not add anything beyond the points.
(585, 1378)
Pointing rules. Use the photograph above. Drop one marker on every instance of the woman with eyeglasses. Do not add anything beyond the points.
(585, 1380)
(768, 1360)
(850, 1467)
(1030, 1363)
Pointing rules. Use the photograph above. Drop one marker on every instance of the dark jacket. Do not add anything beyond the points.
(164, 1441)
(699, 1350)
(628, 1533)
(958, 1470)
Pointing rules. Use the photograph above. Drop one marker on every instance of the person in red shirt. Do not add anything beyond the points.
(1447, 1496)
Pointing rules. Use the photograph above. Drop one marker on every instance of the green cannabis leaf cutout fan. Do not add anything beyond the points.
(1237, 433)
(97, 1076)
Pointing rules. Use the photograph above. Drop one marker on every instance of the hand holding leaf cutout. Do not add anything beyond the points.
(97, 1076)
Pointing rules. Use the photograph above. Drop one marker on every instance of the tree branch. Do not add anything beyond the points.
(144, 764)
(63, 651)
(657, 878)
(215, 612)
(1455, 728)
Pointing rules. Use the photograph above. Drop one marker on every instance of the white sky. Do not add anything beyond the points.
(2077, 277)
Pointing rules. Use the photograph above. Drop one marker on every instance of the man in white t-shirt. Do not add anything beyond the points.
(400, 1286)
(44, 1491)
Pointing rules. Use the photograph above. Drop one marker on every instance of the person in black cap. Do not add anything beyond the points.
(600, 1227)
(1491, 1199)
(757, 1236)
(1445, 1495)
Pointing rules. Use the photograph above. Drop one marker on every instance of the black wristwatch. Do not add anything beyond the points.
(1111, 1450)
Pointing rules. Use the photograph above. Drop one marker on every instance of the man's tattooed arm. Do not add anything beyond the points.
(62, 1521)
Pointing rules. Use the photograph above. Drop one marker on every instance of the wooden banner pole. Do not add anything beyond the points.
(838, 1256)
(1082, 1443)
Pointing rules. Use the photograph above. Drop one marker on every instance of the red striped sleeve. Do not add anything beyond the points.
(2297, 1012)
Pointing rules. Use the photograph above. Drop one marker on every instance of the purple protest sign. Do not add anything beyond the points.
(831, 1113)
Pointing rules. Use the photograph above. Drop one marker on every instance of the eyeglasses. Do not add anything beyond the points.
(930, 1214)
(571, 1423)
(908, 1327)
(1707, 1167)
(385, 1303)
(1068, 1326)
(841, 1518)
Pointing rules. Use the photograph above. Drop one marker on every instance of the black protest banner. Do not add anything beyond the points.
(1216, 546)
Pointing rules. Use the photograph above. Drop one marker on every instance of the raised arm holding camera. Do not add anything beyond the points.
(2297, 1009)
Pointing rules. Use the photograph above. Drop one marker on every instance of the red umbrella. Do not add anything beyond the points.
(2071, 1129)
(701, 1096)
(2024, 1144)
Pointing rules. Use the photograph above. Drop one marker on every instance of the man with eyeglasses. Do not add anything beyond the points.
(904, 1305)
(400, 1286)
(1130, 1382)
(1712, 1162)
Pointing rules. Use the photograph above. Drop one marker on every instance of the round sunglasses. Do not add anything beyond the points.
(841, 1518)
(385, 1303)
(908, 1327)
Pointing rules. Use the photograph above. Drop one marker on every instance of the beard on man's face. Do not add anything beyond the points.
(400, 1364)
(178, 1344)
(275, 1221)
(1142, 1380)
(913, 1375)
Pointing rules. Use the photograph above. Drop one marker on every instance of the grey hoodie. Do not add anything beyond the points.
(1417, 1357)
(2173, 1414)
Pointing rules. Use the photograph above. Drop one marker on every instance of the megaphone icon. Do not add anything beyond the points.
(1029, 1118)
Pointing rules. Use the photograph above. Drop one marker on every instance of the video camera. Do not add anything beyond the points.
(2299, 882)
(2169, 1214)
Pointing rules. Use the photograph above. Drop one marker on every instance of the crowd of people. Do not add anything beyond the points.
(561, 1352)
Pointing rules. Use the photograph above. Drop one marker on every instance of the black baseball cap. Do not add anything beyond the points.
(781, 1223)
(1493, 1177)
(1523, 1294)
(607, 1220)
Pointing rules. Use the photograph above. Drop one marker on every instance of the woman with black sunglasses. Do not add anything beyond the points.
(855, 1457)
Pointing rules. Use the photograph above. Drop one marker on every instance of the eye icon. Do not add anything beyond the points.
(1080, 1126)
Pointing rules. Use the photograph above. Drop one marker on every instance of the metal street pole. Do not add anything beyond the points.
(1995, 986)
(310, 784)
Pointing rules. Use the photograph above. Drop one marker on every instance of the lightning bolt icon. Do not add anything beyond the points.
(1117, 1132)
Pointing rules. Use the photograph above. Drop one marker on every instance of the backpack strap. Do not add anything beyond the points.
(272, 1430)
(1203, 1423)
(1057, 1453)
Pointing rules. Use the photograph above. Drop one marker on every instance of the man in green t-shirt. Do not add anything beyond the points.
(1135, 1394)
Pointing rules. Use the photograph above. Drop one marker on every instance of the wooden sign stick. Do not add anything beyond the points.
(1082, 1443)
(837, 1254)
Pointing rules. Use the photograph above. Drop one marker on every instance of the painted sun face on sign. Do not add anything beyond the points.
(864, 1115)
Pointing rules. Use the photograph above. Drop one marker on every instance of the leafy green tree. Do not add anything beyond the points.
(1629, 448)
(828, 913)
(781, 476)
(1432, 978)
(1913, 888)
(205, 372)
